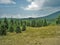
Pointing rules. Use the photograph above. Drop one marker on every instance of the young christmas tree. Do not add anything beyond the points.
(18, 29)
(23, 27)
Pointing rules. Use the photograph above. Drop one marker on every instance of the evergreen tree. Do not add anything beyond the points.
(24, 27)
(18, 29)
(4, 27)
(39, 23)
(5, 23)
(0, 21)
(11, 29)
(11, 21)
(58, 20)
(33, 23)
(18, 23)
(28, 23)
(3, 30)
(24, 22)
(45, 22)
(21, 22)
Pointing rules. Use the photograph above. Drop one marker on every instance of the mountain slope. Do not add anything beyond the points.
(52, 16)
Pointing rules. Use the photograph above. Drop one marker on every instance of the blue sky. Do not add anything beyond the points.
(28, 8)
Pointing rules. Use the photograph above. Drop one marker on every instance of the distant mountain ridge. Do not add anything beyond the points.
(53, 15)
(50, 16)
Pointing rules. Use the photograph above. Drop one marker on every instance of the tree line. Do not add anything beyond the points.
(10, 26)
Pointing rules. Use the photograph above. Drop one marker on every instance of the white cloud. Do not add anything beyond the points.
(29, 0)
(45, 12)
(7, 2)
(13, 16)
(35, 5)
(17, 16)
(10, 16)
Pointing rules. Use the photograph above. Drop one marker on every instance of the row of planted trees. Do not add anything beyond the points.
(10, 26)
(42, 22)
(35, 22)
(17, 25)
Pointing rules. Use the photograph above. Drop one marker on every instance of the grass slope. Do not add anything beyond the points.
(33, 36)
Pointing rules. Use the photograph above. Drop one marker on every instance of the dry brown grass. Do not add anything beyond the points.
(33, 36)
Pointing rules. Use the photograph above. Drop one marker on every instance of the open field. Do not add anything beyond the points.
(49, 35)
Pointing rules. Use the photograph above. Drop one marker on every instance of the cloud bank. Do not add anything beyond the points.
(35, 4)
(40, 4)
(7, 2)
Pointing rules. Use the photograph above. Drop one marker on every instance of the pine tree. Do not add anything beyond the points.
(33, 23)
(5, 23)
(11, 29)
(18, 29)
(21, 22)
(23, 27)
(3, 30)
(25, 22)
(45, 22)
(4, 27)
(11, 21)
(39, 23)
(28, 23)
(58, 20)
(0, 21)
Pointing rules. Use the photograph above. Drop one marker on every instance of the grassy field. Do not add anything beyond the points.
(49, 35)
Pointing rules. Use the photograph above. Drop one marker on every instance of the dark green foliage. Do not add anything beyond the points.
(24, 27)
(4, 27)
(24, 22)
(58, 20)
(45, 22)
(18, 23)
(18, 29)
(6, 23)
(21, 22)
(11, 29)
(28, 23)
(39, 23)
(33, 23)
(0, 21)
(11, 21)
(3, 30)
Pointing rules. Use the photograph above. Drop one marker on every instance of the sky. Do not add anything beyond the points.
(28, 8)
